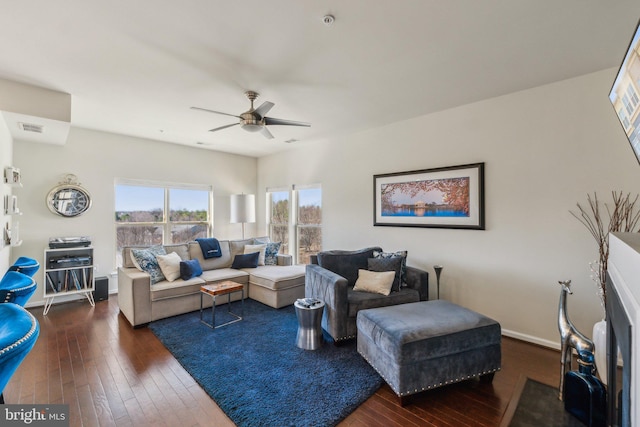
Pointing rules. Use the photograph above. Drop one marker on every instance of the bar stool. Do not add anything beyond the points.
(19, 331)
(25, 265)
(17, 288)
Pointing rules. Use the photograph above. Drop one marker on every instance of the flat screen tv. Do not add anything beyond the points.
(625, 93)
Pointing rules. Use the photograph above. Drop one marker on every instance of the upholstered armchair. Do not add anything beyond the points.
(332, 280)
(18, 333)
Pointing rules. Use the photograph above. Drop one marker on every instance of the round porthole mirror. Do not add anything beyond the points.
(69, 199)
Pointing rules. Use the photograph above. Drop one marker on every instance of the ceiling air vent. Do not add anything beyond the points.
(30, 127)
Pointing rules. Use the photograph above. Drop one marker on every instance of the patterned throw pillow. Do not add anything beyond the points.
(271, 253)
(145, 260)
(403, 269)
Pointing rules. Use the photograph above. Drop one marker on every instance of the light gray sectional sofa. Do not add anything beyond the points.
(142, 302)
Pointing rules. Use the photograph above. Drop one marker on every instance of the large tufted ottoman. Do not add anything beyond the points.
(427, 344)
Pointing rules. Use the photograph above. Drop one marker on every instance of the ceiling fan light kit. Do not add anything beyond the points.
(254, 120)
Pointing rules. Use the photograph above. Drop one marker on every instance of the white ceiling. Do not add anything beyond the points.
(135, 67)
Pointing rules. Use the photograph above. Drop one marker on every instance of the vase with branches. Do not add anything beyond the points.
(621, 216)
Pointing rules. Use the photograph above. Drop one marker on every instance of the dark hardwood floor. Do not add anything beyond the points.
(113, 375)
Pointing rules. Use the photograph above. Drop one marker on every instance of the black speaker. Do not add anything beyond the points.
(101, 292)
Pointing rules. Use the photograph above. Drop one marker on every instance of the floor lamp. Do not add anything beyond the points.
(243, 209)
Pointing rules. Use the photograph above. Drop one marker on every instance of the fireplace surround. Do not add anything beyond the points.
(623, 321)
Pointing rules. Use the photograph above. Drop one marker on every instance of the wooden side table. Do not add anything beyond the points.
(222, 288)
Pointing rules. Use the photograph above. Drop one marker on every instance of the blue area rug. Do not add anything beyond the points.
(257, 375)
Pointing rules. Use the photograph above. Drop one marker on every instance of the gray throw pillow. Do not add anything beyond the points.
(400, 254)
(388, 264)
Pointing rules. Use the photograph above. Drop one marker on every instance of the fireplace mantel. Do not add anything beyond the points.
(624, 274)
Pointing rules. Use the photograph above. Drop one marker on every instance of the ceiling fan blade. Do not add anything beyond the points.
(213, 111)
(264, 108)
(223, 127)
(266, 133)
(282, 122)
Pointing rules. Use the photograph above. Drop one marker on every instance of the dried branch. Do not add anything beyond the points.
(622, 216)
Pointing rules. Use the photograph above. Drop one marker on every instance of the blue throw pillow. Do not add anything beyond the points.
(246, 261)
(190, 268)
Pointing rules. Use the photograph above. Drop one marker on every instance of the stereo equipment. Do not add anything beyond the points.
(101, 292)
(69, 242)
(68, 261)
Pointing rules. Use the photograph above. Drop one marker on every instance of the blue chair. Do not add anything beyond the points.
(16, 288)
(19, 331)
(25, 265)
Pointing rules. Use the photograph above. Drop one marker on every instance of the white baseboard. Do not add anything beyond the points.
(530, 338)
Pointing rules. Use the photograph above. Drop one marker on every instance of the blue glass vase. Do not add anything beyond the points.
(585, 396)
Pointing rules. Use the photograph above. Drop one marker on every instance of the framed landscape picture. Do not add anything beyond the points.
(448, 197)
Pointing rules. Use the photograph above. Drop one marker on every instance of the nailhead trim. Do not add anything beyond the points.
(21, 341)
(10, 294)
(429, 386)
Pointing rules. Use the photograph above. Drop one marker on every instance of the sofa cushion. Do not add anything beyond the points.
(169, 265)
(177, 288)
(263, 239)
(346, 263)
(277, 277)
(223, 261)
(388, 264)
(220, 274)
(363, 300)
(182, 249)
(261, 249)
(145, 260)
(236, 247)
(377, 282)
(190, 268)
(246, 260)
(271, 253)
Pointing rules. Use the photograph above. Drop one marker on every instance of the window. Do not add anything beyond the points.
(308, 222)
(299, 229)
(630, 100)
(624, 118)
(153, 214)
(278, 219)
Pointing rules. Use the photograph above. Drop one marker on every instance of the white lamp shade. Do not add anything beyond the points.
(243, 208)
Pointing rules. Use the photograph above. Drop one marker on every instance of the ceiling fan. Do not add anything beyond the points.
(254, 120)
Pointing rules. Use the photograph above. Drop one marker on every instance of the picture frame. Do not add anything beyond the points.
(446, 197)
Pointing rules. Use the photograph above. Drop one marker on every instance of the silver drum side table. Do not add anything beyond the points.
(309, 325)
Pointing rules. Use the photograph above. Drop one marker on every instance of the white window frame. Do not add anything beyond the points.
(166, 223)
(268, 214)
(295, 219)
(294, 225)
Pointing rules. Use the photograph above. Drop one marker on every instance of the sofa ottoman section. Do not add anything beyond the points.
(423, 345)
(276, 286)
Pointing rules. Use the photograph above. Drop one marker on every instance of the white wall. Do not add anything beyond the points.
(6, 156)
(97, 159)
(544, 150)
